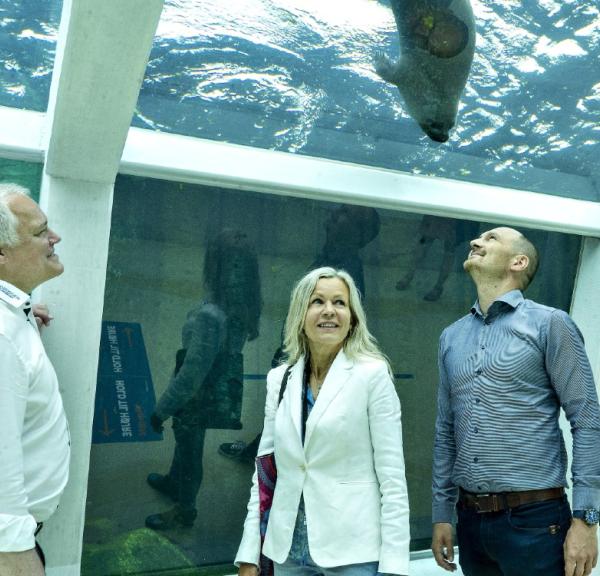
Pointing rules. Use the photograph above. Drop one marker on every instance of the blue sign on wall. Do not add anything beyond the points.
(124, 391)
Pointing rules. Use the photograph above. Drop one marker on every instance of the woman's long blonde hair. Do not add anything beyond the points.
(359, 342)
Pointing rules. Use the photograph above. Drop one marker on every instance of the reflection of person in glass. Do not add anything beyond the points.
(348, 229)
(340, 500)
(205, 390)
(452, 233)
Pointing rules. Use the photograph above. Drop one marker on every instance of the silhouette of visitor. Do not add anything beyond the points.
(205, 390)
(451, 233)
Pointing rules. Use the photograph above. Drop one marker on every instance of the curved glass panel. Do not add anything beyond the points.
(298, 76)
(157, 288)
(28, 30)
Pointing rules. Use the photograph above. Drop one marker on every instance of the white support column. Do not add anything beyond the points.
(80, 212)
(586, 313)
(101, 60)
(102, 53)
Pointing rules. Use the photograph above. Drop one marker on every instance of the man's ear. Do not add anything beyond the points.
(520, 262)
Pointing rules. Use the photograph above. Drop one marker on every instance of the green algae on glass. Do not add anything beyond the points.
(139, 552)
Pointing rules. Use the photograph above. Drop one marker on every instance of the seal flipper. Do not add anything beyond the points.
(390, 71)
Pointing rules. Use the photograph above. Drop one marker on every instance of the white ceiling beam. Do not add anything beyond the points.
(186, 159)
(102, 54)
(21, 134)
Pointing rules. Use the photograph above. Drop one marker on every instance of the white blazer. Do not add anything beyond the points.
(350, 469)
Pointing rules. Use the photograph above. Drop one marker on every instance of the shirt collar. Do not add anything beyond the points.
(511, 299)
(12, 295)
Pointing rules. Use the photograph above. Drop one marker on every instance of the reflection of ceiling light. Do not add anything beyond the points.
(17, 90)
(557, 50)
(357, 16)
(31, 34)
(529, 64)
(589, 30)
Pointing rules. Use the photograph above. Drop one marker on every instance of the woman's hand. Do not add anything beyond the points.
(248, 570)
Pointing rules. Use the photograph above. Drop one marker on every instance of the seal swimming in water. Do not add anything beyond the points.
(437, 42)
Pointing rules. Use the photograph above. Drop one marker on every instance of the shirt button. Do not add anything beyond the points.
(475, 459)
(477, 400)
(303, 467)
(483, 347)
(475, 429)
(478, 371)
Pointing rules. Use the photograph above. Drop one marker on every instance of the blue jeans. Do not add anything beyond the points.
(524, 541)
(307, 567)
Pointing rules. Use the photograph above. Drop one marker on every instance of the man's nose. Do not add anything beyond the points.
(475, 243)
(53, 237)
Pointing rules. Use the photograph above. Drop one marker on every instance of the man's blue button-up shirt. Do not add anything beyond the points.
(503, 378)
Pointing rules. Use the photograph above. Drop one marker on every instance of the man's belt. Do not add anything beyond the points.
(496, 502)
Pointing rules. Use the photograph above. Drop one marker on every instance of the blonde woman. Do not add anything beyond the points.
(340, 505)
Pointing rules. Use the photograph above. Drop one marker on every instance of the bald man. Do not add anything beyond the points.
(506, 369)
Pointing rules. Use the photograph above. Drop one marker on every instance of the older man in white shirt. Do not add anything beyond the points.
(34, 437)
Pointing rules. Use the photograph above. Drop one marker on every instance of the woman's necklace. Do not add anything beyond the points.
(316, 384)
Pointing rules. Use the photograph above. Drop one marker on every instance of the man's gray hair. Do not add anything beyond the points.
(9, 223)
